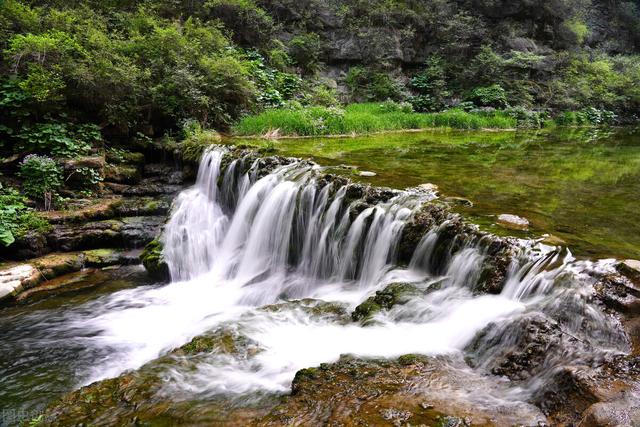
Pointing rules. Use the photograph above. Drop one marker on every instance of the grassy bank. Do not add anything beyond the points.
(366, 118)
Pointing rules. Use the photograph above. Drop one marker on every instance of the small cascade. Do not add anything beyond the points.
(254, 232)
(286, 223)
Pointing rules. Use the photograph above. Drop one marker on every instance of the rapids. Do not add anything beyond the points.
(242, 238)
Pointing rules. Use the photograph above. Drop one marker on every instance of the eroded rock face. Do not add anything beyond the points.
(127, 232)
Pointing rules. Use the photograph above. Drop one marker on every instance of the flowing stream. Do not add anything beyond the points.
(240, 240)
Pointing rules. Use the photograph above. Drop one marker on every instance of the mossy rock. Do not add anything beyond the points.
(222, 341)
(153, 261)
(192, 148)
(122, 174)
(393, 294)
(334, 311)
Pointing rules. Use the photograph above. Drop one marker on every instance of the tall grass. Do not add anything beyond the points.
(365, 118)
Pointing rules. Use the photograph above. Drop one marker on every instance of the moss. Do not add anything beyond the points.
(124, 174)
(412, 359)
(393, 294)
(223, 342)
(102, 257)
(193, 147)
(153, 260)
(366, 310)
(319, 309)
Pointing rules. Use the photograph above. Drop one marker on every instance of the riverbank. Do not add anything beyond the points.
(376, 118)
(366, 118)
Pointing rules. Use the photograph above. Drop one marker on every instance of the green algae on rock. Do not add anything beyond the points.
(153, 260)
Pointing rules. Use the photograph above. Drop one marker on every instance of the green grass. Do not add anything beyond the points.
(365, 118)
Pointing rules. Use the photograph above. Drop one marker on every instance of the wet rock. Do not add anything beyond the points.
(15, 279)
(460, 201)
(31, 245)
(110, 208)
(519, 349)
(153, 261)
(513, 222)
(139, 398)
(332, 311)
(428, 217)
(164, 173)
(611, 414)
(145, 188)
(618, 292)
(427, 188)
(569, 393)
(385, 299)
(552, 240)
(224, 340)
(631, 269)
(495, 267)
(130, 157)
(127, 232)
(382, 392)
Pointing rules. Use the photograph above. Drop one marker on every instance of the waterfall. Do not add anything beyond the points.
(250, 234)
(285, 223)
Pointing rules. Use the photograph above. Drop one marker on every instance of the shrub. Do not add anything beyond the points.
(490, 96)
(305, 50)
(321, 94)
(42, 177)
(587, 117)
(366, 84)
(16, 218)
(430, 86)
(58, 139)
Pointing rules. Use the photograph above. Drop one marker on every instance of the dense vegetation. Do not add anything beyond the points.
(88, 78)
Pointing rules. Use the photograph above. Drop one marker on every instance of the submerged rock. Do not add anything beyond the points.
(317, 309)
(383, 392)
(460, 201)
(513, 222)
(140, 398)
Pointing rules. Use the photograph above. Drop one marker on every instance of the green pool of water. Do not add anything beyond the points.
(579, 185)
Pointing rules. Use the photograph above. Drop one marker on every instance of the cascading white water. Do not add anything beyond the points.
(237, 241)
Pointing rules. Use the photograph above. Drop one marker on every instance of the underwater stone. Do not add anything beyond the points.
(513, 221)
